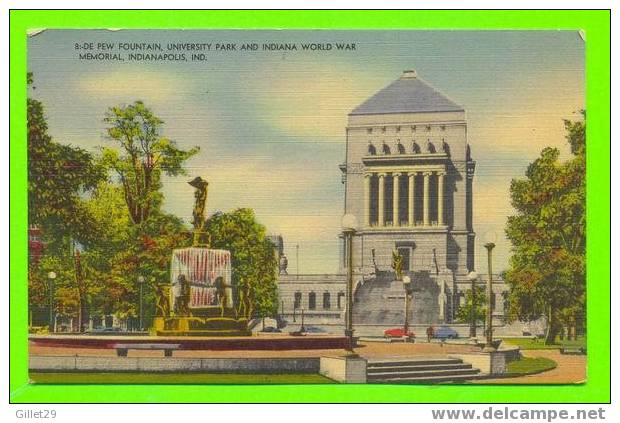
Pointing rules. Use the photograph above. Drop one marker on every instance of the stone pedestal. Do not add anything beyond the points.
(491, 363)
(158, 324)
(344, 369)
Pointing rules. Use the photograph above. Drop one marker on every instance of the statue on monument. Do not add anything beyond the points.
(181, 301)
(163, 300)
(283, 265)
(222, 296)
(397, 264)
(201, 238)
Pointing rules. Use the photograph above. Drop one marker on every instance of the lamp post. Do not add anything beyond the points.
(297, 260)
(488, 347)
(51, 276)
(349, 225)
(407, 286)
(302, 328)
(472, 276)
(141, 284)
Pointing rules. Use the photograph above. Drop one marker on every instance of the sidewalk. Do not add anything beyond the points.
(365, 349)
(570, 369)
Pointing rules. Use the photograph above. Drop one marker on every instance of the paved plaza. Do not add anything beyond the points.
(365, 349)
(570, 369)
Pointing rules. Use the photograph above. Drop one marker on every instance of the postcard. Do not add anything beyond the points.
(304, 207)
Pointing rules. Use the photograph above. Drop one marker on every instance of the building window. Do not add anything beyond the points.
(297, 303)
(340, 300)
(312, 301)
(327, 301)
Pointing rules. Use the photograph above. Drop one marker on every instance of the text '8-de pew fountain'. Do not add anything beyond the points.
(200, 298)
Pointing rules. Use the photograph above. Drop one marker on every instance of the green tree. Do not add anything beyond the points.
(547, 268)
(146, 253)
(254, 263)
(143, 156)
(59, 179)
(464, 312)
(58, 176)
(65, 299)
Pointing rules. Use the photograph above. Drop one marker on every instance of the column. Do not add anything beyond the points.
(367, 203)
(410, 203)
(381, 220)
(426, 203)
(395, 198)
(440, 199)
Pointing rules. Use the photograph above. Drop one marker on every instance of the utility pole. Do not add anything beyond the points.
(297, 259)
(141, 285)
(489, 321)
(51, 276)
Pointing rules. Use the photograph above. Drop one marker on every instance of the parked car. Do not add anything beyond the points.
(398, 333)
(105, 331)
(445, 332)
(270, 329)
(315, 329)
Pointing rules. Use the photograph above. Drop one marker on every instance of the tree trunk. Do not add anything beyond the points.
(553, 327)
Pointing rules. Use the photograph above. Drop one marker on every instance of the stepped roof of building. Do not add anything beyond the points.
(408, 94)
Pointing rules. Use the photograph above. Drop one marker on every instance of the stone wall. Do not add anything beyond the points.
(172, 364)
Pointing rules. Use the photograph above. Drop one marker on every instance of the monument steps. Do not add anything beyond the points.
(380, 300)
(411, 362)
(404, 369)
(426, 370)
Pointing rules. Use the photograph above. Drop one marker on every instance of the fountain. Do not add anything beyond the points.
(199, 301)
(196, 309)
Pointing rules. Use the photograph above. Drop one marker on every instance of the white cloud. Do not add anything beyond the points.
(130, 84)
(313, 101)
(286, 198)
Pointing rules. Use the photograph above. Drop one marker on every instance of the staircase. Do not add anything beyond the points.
(381, 300)
(420, 370)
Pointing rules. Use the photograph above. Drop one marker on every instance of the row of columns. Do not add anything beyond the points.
(410, 197)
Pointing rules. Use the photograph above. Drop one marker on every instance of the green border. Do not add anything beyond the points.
(597, 27)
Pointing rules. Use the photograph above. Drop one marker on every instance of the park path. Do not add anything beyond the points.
(570, 369)
(366, 349)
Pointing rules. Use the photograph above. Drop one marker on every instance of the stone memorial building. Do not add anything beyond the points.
(408, 176)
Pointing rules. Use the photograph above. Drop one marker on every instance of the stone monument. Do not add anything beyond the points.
(200, 295)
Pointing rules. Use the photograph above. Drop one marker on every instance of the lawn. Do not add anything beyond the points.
(176, 378)
(530, 365)
(539, 344)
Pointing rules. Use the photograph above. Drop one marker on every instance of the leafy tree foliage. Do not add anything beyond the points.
(254, 263)
(58, 175)
(547, 269)
(118, 224)
(143, 156)
(478, 302)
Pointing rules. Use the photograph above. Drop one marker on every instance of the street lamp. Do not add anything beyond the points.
(407, 286)
(51, 276)
(490, 244)
(349, 226)
(472, 276)
(141, 284)
(302, 329)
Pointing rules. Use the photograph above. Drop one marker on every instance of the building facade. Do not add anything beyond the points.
(408, 176)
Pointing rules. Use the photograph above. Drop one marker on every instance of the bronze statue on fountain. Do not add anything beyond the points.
(199, 300)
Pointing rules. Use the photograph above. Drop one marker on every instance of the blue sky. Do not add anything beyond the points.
(271, 125)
